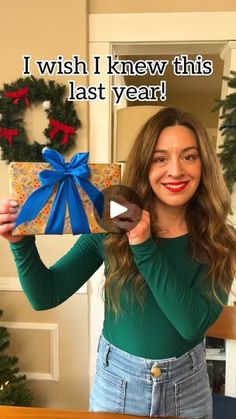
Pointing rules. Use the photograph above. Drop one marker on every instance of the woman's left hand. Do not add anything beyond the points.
(135, 221)
(142, 231)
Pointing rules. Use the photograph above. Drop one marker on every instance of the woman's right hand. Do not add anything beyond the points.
(8, 216)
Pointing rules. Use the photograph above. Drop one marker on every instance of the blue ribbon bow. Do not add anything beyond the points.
(67, 175)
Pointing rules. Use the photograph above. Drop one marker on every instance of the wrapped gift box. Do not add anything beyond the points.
(24, 180)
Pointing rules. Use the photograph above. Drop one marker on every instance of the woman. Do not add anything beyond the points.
(167, 279)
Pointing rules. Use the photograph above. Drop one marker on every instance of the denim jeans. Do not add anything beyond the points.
(126, 383)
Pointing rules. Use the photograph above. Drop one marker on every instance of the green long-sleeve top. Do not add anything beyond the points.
(176, 311)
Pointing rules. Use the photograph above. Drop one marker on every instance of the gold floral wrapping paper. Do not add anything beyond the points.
(24, 180)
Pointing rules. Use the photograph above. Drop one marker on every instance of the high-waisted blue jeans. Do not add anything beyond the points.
(126, 383)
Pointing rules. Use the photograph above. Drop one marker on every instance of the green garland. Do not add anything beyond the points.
(15, 98)
(227, 155)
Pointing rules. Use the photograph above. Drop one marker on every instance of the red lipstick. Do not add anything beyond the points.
(175, 187)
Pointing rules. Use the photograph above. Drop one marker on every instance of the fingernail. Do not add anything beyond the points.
(13, 210)
(13, 225)
(13, 203)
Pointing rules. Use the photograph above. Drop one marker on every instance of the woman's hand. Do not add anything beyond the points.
(142, 231)
(8, 216)
(135, 221)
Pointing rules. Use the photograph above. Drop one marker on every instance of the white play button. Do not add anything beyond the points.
(110, 214)
(116, 209)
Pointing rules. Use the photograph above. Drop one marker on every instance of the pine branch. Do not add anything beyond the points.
(13, 390)
(227, 155)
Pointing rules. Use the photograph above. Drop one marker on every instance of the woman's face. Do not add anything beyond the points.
(175, 171)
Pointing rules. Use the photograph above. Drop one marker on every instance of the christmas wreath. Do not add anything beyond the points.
(14, 100)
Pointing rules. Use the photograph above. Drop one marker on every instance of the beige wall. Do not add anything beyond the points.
(149, 6)
(71, 391)
(45, 29)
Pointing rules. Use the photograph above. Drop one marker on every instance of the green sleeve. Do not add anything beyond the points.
(189, 309)
(47, 287)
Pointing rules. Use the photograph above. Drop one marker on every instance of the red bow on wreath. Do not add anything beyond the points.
(8, 133)
(59, 126)
(19, 94)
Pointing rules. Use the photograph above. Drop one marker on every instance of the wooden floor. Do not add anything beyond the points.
(11, 412)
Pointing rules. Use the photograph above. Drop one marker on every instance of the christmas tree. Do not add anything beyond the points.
(227, 155)
(13, 390)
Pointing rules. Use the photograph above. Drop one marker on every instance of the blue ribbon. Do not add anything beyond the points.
(67, 175)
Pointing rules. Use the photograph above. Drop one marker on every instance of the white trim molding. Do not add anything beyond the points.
(162, 27)
(227, 49)
(12, 283)
(52, 328)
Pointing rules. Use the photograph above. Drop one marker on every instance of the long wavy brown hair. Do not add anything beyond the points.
(212, 239)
